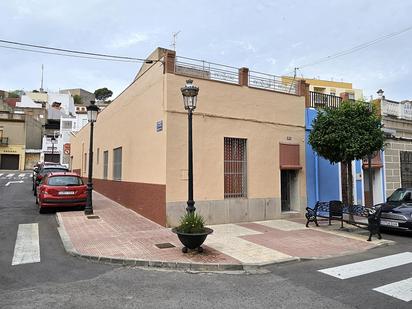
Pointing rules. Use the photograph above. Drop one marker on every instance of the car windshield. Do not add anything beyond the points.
(400, 195)
(65, 181)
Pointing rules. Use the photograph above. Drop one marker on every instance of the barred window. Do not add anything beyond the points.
(105, 164)
(406, 169)
(117, 163)
(235, 167)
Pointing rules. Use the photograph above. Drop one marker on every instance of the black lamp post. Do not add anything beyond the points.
(53, 140)
(189, 92)
(92, 111)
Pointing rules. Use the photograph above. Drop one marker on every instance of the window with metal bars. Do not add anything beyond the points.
(235, 167)
(406, 169)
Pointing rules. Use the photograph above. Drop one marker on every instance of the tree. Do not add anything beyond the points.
(350, 132)
(14, 94)
(77, 99)
(102, 94)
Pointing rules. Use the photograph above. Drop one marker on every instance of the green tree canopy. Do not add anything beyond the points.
(351, 132)
(77, 99)
(102, 94)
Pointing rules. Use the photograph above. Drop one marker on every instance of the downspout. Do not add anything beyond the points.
(316, 177)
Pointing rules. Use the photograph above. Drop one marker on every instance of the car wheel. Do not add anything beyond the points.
(41, 210)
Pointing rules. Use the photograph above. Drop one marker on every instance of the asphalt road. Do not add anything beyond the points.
(62, 281)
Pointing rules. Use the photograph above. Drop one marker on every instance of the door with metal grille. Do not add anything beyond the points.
(406, 169)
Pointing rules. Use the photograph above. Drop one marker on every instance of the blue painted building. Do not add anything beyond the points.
(324, 180)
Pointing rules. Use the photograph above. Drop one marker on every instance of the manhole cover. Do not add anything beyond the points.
(93, 217)
(165, 245)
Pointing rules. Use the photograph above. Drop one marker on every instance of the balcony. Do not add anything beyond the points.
(401, 110)
(321, 100)
(4, 141)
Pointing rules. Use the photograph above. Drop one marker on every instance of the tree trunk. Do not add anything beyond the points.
(350, 190)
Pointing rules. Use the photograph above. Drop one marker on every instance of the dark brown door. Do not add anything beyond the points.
(9, 162)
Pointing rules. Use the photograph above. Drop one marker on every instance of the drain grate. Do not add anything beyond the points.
(93, 217)
(165, 245)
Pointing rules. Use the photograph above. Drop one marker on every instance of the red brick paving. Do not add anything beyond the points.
(123, 233)
(305, 243)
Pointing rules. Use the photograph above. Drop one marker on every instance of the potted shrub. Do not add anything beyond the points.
(192, 231)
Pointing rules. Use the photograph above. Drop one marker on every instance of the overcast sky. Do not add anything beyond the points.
(267, 36)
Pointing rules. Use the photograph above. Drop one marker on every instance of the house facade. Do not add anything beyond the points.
(18, 133)
(248, 144)
(326, 181)
(397, 121)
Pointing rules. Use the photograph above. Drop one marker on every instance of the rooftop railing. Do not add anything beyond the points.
(272, 82)
(401, 110)
(219, 72)
(207, 70)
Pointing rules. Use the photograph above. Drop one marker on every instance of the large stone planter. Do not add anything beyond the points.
(192, 241)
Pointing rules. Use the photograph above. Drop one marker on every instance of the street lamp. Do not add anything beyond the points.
(189, 92)
(92, 111)
(53, 140)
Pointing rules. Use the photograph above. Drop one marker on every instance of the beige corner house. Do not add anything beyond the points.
(248, 143)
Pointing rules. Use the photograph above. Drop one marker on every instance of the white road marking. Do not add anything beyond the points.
(369, 266)
(1, 174)
(10, 175)
(10, 182)
(401, 290)
(27, 247)
(225, 238)
(22, 175)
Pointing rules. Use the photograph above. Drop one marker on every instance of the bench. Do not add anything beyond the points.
(357, 215)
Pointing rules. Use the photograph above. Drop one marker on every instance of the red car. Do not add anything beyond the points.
(61, 189)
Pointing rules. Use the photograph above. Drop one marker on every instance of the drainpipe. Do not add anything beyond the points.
(316, 177)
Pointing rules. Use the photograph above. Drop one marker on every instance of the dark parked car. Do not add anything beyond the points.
(61, 189)
(46, 169)
(397, 211)
(36, 169)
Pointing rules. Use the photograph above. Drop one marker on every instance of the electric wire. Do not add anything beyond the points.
(66, 55)
(72, 51)
(356, 48)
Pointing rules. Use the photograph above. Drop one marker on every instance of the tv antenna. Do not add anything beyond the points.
(174, 40)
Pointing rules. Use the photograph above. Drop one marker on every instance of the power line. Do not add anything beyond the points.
(88, 54)
(65, 55)
(356, 48)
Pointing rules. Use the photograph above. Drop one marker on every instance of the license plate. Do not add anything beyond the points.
(389, 223)
(66, 192)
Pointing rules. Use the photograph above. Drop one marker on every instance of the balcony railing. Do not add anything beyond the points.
(321, 100)
(401, 110)
(4, 141)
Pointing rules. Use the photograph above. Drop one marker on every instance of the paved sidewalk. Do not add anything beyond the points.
(120, 235)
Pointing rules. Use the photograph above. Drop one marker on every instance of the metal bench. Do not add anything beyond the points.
(336, 210)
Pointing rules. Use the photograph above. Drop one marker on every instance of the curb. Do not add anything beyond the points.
(183, 266)
(68, 246)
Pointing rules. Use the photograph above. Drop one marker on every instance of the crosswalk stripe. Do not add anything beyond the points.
(10, 175)
(27, 247)
(1, 174)
(22, 175)
(369, 266)
(401, 290)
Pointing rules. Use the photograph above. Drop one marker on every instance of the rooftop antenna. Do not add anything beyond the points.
(294, 77)
(174, 40)
(41, 85)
